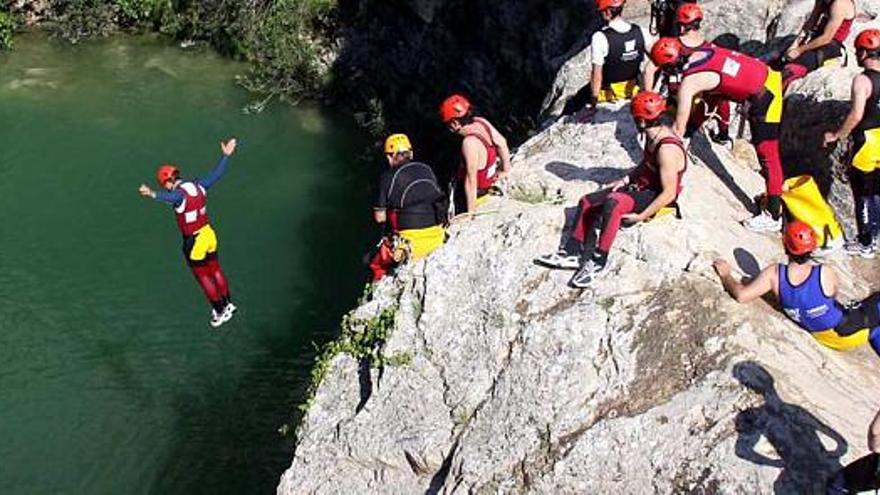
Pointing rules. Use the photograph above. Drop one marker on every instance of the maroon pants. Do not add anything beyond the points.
(599, 214)
(211, 279)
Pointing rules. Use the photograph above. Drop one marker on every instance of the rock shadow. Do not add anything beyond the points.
(794, 433)
(570, 172)
(702, 149)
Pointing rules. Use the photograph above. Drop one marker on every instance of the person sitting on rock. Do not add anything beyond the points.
(863, 474)
(484, 151)
(411, 205)
(653, 185)
(723, 73)
(617, 52)
(806, 292)
(688, 17)
(821, 39)
(863, 121)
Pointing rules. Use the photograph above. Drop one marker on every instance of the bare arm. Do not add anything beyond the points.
(595, 84)
(809, 22)
(874, 434)
(743, 293)
(470, 149)
(859, 94)
(649, 76)
(671, 161)
(838, 14)
(502, 148)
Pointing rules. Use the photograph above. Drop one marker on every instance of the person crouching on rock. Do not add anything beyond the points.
(653, 185)
(806, 292)
(485, 156)
(189, 199)
(821, 39)
(863, 121)
(719, 72)
(412, 207)
(689, 17)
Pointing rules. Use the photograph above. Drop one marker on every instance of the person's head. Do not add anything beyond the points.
(647, 109)
(167, 175)
(398, 150)
(799, 241)
(689, 17)
(610, 9)
(456, 112)
(867, 46)
(668, 55)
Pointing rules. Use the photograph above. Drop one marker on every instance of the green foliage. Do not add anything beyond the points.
(7, 28)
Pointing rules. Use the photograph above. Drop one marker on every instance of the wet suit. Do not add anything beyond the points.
(706, 105)
(859, 476)
(864, 174)
(417, 209)
(599, 214)
(832, 324)
(814, 59)
(199, 239)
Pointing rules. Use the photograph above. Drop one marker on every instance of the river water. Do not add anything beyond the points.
(111, 380)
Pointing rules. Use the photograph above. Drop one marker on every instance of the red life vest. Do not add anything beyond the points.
(485, 176)
(675, 81)
(742, 77)
(192, 213)
(649, 170)
(842, 32)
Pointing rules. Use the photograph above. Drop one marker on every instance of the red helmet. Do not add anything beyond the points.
(604, 5)
(869, 39)
(689, 13)
(648, 105)
(167, 172)
(666, 52)
(454, 107)
(799, 238)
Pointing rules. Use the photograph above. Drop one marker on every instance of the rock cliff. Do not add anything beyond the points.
(654, 380)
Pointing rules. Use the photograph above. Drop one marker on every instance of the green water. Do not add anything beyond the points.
(111, 380)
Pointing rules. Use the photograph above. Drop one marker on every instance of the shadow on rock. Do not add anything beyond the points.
(795, 434)
(702, 149)
(569, 172)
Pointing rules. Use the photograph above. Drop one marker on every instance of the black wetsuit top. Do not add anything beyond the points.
(413, 196)
(871, 119)
(625, 54)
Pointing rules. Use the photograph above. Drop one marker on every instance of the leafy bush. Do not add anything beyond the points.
(7, 27)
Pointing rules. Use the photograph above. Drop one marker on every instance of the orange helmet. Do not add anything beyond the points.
(869, 40)
(454, 107)
(648, 105)
(666, 52)
(799, 238)
(689, 13)
(167, 172)
(604, 5)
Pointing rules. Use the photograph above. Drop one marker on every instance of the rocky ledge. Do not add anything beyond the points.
(654, 380)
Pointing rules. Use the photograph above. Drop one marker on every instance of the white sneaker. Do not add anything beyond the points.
(763, 223)
(229, 310)
(855, 248)
(831, 247)
(218, 319)
(559, 259)
(585, 276)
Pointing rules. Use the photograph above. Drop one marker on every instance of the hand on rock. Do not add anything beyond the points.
(632, 218)
(830, 137)
(722, 267)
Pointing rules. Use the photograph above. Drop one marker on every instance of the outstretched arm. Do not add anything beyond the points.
(744, 293)
(228, 148)
(172, 198)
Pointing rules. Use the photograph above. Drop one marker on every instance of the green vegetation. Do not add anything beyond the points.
(283, 39)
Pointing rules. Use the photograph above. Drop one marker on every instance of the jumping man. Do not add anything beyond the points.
(188, 197)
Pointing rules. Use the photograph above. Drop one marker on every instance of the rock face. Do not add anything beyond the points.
(654, 380)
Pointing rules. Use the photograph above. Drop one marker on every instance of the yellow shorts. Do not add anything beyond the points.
(198, 246)
(867, 157)
(424, 241)
(618, 91)
(832, 340)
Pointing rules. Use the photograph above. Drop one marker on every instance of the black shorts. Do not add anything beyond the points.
(814, 59)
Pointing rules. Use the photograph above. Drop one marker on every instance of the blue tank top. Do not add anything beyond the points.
(806, 304)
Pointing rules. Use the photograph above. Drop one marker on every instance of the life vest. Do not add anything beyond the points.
(675, 81)
(192, 213)
(625, 54)
(842, 32)
(806, 304)
(649, 170)
(742, 77)
(486, 176)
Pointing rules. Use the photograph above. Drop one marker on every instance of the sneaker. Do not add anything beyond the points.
(229, 310)
(855, 248)
(559, 259)
(218, 319)
(763, 223)
(721, 137)
(587, 273)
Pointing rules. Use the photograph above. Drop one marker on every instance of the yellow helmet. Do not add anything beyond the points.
(397, 143)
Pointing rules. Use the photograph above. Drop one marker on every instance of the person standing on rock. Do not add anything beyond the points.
(485, 155)
(650, 187)
(821, 39)
(616, 52)
(863, 121)
(689, 17)
(410, 204)
(806, 291)
(189, 199)
(722, 73)
(863, 474)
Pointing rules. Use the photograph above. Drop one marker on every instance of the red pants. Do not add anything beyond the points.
(211, 279)
(599, 215)
(382, 262)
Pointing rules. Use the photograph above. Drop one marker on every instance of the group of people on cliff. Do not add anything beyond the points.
(683, 75)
